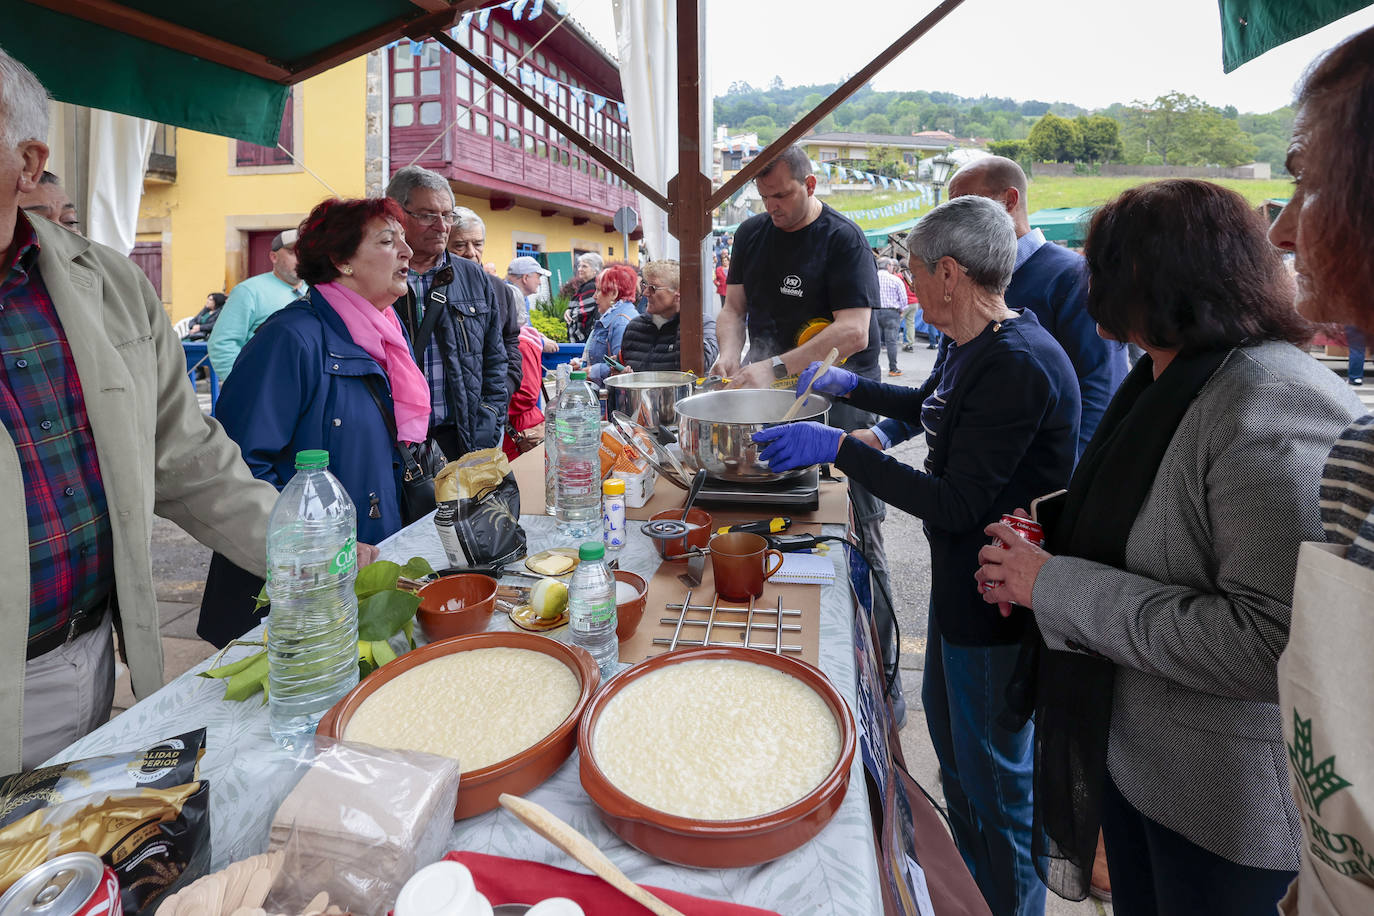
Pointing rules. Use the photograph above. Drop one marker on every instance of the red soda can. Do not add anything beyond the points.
(76, 884)
(1029, 530)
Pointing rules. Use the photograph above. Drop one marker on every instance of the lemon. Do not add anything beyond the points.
(548, 598)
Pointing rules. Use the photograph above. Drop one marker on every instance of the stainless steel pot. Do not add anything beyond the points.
(714, 430)
(648, 397)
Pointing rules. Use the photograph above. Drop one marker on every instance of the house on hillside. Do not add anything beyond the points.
(211, 205)
(846, 147)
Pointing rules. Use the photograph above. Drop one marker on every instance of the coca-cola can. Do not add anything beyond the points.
(1029, 530)
(76, 884)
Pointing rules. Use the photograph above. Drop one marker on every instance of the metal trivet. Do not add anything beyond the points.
(742, 633)
(666, 529)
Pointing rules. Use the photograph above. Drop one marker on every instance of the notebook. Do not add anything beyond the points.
(806, 569)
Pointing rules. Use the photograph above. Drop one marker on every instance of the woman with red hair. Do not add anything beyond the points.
(334, 370)
(616, 288)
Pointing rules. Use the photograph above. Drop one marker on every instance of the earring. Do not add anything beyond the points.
(948, 297)
(348, 272)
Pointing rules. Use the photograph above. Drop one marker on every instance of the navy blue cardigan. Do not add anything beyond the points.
(1008, 434)
(303, 384)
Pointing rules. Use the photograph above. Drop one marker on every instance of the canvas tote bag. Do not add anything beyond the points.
(1326, 698)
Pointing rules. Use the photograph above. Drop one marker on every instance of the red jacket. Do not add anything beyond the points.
(524, 404)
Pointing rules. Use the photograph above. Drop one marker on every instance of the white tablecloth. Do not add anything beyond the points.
(834, 873)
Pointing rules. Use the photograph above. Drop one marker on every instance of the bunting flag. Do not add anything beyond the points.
(623, 110)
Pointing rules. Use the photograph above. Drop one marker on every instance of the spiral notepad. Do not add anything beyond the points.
(806, 569)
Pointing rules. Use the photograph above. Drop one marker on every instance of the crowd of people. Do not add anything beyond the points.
(1118, 686)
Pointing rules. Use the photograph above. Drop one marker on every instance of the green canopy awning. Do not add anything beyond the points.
(1063, 224)
(878, 237)
(219, 67)
(1251, 27)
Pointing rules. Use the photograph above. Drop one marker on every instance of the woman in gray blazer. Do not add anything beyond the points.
(1166, 602)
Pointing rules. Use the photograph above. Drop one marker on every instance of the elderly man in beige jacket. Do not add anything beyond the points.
(100, 432)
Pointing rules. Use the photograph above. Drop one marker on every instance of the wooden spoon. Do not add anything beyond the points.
(826, 363)
(541, 821)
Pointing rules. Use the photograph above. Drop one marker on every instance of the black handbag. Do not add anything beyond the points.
(488, 525)
(419, 463)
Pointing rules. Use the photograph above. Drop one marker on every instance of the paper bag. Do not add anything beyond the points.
(1325, 685)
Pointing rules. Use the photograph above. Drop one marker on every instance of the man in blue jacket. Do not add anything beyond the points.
(1052, 282)
(460, 349)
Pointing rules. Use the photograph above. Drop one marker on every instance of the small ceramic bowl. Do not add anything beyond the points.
(456, 605)
(480, 789)
(628, 613)
(699, 535)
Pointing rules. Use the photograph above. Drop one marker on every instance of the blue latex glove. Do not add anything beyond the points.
(836, 381)
(799, 445)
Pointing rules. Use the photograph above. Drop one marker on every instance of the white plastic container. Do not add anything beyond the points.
(444, 888)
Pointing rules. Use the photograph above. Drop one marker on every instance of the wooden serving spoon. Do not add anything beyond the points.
(826, 363)
(543, 822)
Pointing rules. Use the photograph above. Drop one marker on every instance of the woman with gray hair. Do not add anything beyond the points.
(581, 313)
(1001, 422)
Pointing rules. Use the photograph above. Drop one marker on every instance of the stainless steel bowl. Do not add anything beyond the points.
(714, 431)
(648, 397)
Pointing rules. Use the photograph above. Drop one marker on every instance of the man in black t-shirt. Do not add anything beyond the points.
(802, 280)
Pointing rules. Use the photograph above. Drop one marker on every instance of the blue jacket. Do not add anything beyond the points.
(302, 383)
(607, 333)
(1006, 435)
(1053, 285)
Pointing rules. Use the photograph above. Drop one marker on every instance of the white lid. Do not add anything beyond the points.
(442, 889)
(556, 906)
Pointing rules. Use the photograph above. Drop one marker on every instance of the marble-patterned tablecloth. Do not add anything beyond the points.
(834, 873)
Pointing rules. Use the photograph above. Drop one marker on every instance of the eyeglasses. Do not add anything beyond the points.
(429, 219)
(649, 289)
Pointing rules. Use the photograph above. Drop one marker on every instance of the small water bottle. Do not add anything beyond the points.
(613, 513)
(312, 630)
(591, 608)
(578, 496)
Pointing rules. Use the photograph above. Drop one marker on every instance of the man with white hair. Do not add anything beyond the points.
(892, 301)
(468, 239)
(99, 430)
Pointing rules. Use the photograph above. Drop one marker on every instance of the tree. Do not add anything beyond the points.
(1160, 125)
(887, 160)
(1012, 149)
(876, 124)
(739, 87)
(1101, 138)
(1210, 138)
(775, 83)
(1055, 139)
(765, 127)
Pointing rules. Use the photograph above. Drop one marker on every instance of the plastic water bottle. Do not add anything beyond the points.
(312, 630)
(591, 608)
(578, 428)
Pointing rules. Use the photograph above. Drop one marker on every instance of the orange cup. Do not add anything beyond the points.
(739, 563)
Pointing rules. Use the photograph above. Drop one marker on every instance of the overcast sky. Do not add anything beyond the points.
(1089, 52)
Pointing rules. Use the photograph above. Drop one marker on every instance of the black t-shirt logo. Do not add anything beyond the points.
(791, 286)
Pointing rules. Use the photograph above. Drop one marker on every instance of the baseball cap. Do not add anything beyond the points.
(525, 265)
(286, 239)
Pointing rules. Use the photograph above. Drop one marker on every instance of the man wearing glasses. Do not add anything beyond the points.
(454, 320)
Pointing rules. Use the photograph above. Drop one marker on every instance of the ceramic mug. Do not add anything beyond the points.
(739, 561)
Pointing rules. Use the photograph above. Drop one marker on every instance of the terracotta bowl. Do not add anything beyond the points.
(628, 614)
(717, 844)
(699, 520)
(456, 605)
(479, 790)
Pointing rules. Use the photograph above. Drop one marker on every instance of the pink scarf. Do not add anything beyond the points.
(379, 333)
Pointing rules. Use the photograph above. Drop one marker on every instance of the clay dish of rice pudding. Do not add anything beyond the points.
(505, 705)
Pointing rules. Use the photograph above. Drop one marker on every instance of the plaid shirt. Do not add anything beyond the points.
(891, 290)
(71, 548)
(434, 363)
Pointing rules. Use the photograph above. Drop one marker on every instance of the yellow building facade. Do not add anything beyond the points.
(206, 210)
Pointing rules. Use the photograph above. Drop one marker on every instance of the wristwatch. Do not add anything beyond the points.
(779, 368)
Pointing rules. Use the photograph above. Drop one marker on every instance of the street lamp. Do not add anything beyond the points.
(940, 167)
